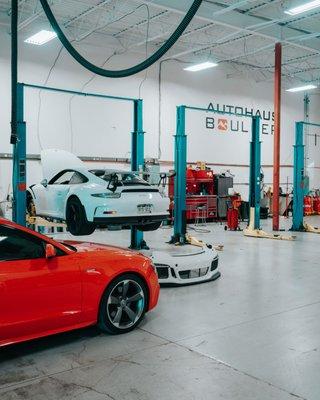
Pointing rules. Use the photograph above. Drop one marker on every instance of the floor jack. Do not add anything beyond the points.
(258, 233)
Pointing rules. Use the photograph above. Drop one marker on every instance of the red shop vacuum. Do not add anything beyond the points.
(233, 213)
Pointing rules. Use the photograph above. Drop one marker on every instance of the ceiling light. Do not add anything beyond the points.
(201, 66)
(41, 37)
(302, 88)
(303, 8)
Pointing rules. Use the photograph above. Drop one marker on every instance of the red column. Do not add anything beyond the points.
(276, 137)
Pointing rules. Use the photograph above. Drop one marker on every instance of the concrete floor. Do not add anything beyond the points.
(254, 334)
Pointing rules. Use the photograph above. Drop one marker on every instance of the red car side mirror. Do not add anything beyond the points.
(50, 251)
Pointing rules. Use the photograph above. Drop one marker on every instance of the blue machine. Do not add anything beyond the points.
(299, 178)
(19, 151)
(180, 165)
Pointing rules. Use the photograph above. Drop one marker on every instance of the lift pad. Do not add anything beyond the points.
(311, 229)
(43, 222)
(258, 233)
(200, 243)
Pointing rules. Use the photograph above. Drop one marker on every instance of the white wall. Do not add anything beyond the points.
(102, 128)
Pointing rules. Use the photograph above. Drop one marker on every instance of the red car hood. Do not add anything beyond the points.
(83, 247)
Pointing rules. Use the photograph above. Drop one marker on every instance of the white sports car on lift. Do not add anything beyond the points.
(87, 199)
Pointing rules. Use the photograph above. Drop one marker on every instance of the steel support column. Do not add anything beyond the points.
(298, 179)
(276, 137)
(255, 171)
(14, 69)
(19, 162)
(180, 180)
(137, 162)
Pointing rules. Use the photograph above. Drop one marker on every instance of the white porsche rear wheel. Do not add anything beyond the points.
(76, 219)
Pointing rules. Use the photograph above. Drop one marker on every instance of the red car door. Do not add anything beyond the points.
(38, 296)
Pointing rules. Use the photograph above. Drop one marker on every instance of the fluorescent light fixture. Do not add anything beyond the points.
(303, 8)
(41, 37)
(302, 88)
(202, 66)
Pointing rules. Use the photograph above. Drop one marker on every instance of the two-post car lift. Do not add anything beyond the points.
(180, 162)
(19, 150)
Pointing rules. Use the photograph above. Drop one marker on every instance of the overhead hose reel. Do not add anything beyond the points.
(129, 71)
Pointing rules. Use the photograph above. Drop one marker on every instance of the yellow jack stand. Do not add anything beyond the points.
(311, 229)
(258, 233)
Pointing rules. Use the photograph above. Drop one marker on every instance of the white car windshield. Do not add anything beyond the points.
(121, 178)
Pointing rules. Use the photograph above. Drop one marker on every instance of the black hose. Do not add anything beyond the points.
(129, 71)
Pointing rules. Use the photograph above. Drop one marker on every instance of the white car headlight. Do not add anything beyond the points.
(107, 195)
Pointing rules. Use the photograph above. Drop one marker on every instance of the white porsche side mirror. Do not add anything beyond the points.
(44, 182)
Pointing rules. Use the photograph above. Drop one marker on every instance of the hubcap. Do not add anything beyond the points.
(125, 304)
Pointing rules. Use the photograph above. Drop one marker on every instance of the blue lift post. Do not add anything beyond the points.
(19, 164)
(298, 179)
(137, 162)
(299, 176)
(180, 180)
(19, 152)
(180, 166)
(255, 171)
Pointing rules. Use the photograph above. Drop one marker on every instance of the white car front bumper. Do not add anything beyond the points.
(182, 269)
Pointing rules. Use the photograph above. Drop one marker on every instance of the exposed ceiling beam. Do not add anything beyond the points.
(271, 46)
(142, 23)
(34, 16)
(237, 21)
(85, 13)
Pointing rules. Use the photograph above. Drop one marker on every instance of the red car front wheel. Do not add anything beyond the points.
(123, 305)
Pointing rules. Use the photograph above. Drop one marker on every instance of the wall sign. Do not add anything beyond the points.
(234, 124)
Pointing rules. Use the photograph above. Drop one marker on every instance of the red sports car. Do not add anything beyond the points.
(48, 287)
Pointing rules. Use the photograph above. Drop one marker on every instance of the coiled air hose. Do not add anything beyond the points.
(129, 71)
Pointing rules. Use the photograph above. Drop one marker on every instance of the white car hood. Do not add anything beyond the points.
(54, 161)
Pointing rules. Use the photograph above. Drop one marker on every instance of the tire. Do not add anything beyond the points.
(149, 227)
(31, 209)
(117, 315)
(77, 223)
